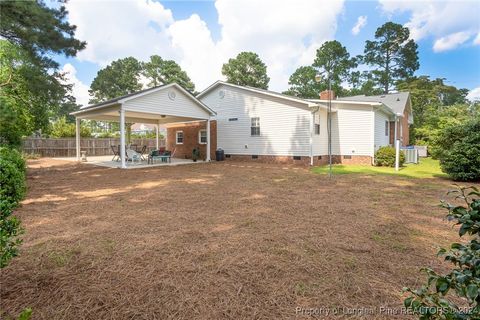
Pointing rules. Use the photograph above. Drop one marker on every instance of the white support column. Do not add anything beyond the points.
(395, 130)
(208, 141)
(77, 137)
(157, 135)
(122, 137)
(397, 154)
(401, 130)
(312, 128)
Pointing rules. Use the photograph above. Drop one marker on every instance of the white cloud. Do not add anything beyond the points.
(116, 29)
(474, 95)
(271, 28)
(477, 40)
(438, 19)
(451, 41)
(361, 22)
(79, 89)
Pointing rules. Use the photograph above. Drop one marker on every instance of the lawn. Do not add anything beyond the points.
(427, 168)
(219, 241)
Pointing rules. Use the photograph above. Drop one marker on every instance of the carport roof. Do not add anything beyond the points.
(133, 95)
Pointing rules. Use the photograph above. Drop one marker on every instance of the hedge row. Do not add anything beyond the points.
(12, 191)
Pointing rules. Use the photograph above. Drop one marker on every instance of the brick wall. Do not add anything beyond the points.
(191, 140)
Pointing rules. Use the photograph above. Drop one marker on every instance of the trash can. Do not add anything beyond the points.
(220, 154)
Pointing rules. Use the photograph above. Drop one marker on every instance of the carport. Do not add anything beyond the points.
(159, 105)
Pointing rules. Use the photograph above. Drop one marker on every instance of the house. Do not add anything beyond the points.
(261, 125)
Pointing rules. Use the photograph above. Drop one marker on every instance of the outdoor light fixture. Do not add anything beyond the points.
(318, 78)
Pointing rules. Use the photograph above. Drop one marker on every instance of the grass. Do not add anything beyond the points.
(427, 168)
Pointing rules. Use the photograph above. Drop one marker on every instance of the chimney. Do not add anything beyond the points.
(324, 95)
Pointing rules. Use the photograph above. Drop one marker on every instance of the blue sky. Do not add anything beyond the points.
(202, 35)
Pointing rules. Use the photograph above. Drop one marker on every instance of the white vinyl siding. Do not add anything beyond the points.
(285, 125)
(352, 130)
(380, 138)
(320, 142)
(159, 102)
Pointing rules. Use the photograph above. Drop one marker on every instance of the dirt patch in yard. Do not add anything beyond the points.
(219, 241)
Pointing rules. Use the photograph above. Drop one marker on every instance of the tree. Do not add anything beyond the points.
(435, 104)
(392, 54)
(334, 59)
(119, 78)
(39, 30)
(159, 71)
(303, 85)
(64, 129)
(29, 90)
(247, 69)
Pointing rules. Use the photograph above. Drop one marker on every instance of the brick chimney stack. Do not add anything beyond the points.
(324, 95)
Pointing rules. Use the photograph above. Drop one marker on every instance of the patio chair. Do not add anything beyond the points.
(133, 156)
(116, 153)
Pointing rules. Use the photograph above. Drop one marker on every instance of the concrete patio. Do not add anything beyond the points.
(106, 161)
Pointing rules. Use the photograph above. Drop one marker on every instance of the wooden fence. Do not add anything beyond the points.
(65, 147)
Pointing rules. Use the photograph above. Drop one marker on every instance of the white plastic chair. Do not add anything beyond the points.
(134, 156)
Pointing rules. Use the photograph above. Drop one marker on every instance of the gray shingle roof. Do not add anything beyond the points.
(395, 101)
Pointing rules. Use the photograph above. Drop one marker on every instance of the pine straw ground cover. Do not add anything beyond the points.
(219, 241)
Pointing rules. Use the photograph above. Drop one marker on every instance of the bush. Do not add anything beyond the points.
(459, 151)
(12, 191)
(385, 157)
(431, 300)
(12, 187)
(13, 156)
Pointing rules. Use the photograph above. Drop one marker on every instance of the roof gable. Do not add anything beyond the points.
(258, 91)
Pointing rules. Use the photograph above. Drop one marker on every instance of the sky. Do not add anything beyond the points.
(202, 35)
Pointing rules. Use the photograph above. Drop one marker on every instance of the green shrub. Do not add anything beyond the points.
(459, 151)
(12, 185)
(431, 300)
(14, 157)
(12, 190)
(385, 157)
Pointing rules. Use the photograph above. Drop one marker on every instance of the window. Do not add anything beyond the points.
(386, 128)
(255, 128)
(202, 136)
(317, 124)
(179, 137)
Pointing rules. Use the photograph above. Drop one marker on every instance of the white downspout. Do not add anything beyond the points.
(312, 122)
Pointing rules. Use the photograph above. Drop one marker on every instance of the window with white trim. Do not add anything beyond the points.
(317, 124)
(255, 127)
(179, 137)
(386, 128)
(202, 136)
